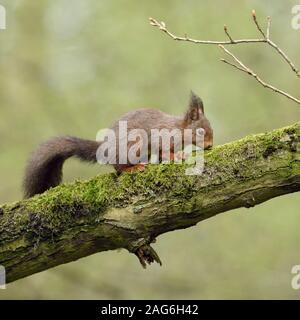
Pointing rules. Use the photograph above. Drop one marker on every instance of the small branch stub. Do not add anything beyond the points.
(227, 33)
(147, 255)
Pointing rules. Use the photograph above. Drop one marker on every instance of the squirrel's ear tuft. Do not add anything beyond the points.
(196, 108)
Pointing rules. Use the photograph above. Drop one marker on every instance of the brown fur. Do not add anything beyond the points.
(44, 169)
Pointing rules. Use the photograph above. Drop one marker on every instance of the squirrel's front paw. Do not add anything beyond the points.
(139, 166)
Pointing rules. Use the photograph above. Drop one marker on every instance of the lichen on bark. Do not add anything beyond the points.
(127, 211)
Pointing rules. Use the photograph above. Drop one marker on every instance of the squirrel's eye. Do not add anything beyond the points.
(200, 132)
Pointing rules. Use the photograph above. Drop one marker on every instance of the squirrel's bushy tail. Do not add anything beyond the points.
(44, 168)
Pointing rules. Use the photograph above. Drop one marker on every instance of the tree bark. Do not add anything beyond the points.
(128, 211)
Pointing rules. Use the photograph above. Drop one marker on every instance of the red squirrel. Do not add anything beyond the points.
(44, 168)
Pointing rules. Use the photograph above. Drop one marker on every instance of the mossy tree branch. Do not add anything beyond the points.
(129, 211)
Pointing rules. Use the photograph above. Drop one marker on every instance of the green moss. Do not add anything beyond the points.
(65, 223)
(82, 202)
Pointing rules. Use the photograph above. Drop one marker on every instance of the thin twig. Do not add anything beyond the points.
(227, 33)
(268, 26)
(284, 56)
(162, 26)
(257, 24)
(266, 39)
(234, 57)
(242, 67)
(233, 65)
(272, 44)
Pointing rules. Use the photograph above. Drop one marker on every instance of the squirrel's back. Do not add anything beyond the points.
(44, 168)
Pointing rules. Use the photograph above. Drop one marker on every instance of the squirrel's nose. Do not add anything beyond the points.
(207, 143)
(208, 146)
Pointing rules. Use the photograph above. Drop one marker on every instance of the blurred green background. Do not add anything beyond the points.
(73, 67)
